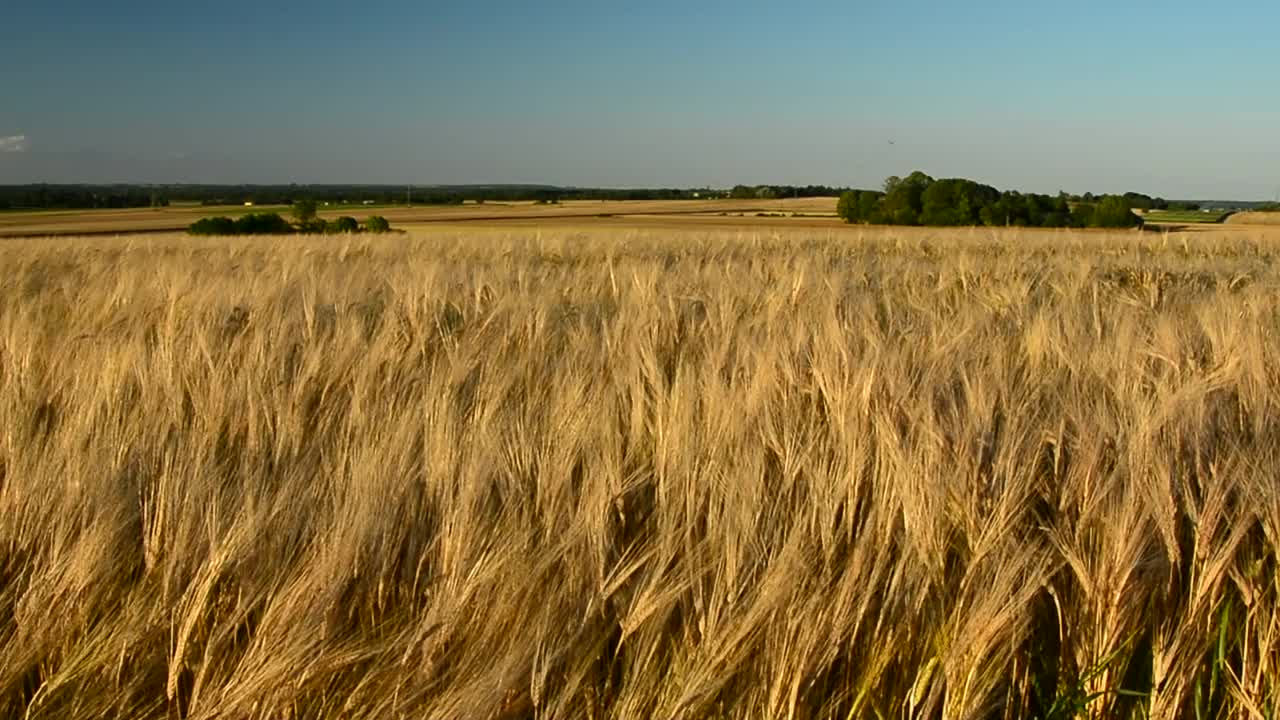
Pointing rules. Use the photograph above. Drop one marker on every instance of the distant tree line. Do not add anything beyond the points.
(71, 197)
(305, 222)
(1139, 201)
(384, 195)
(74, 197)
(921, 200)
(770, 192)
(89, 197)
(79, 197)
(456, 195)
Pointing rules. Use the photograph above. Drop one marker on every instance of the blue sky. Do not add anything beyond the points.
(1175, 98)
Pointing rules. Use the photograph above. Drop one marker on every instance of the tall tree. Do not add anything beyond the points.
(304, 211)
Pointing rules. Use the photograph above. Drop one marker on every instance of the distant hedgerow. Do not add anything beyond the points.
(377, 224)
(274, 224)
(213, 226)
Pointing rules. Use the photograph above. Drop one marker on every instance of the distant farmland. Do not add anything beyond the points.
(795, 210)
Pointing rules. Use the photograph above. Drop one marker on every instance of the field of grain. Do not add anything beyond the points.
(507, 474)
(1254, 218)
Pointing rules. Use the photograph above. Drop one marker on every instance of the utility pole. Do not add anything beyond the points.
(408, 196)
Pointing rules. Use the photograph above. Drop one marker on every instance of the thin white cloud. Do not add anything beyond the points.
(13, 144)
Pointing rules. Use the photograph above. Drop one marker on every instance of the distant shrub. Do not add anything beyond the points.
(377, 224)
(213, 226)
(314, 226)
(344, 224)
(262, 224)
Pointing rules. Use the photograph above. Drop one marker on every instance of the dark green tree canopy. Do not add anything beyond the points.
(273, 224)
(1114, 212)
(345, 224)
(921, 200)
(262, 224)
(956, 202)
(213, 226)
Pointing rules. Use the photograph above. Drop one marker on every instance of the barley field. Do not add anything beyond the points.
(515, 474)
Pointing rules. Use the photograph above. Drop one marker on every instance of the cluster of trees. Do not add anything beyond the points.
(253, 224)
(921, 200)
(305, 221)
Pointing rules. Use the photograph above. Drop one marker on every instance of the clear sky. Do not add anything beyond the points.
(1174, 98)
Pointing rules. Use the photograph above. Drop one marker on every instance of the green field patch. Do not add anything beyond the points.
(1185, 216)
